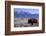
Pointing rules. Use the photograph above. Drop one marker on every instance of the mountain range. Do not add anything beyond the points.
(25, 15)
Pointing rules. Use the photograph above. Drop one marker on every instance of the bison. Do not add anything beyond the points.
(32, 21)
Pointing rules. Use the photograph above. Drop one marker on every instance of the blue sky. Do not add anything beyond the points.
(32, 11)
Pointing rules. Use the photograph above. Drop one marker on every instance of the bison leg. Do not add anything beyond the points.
(31, 23)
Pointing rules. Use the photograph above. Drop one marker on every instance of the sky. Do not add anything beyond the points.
(28, 10)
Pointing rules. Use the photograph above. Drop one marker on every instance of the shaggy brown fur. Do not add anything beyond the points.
(32, 21)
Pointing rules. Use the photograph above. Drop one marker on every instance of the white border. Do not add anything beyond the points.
(26, 28)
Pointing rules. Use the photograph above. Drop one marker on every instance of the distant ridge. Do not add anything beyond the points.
(25, 15)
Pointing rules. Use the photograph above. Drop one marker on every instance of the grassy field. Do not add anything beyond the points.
(23, 22)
